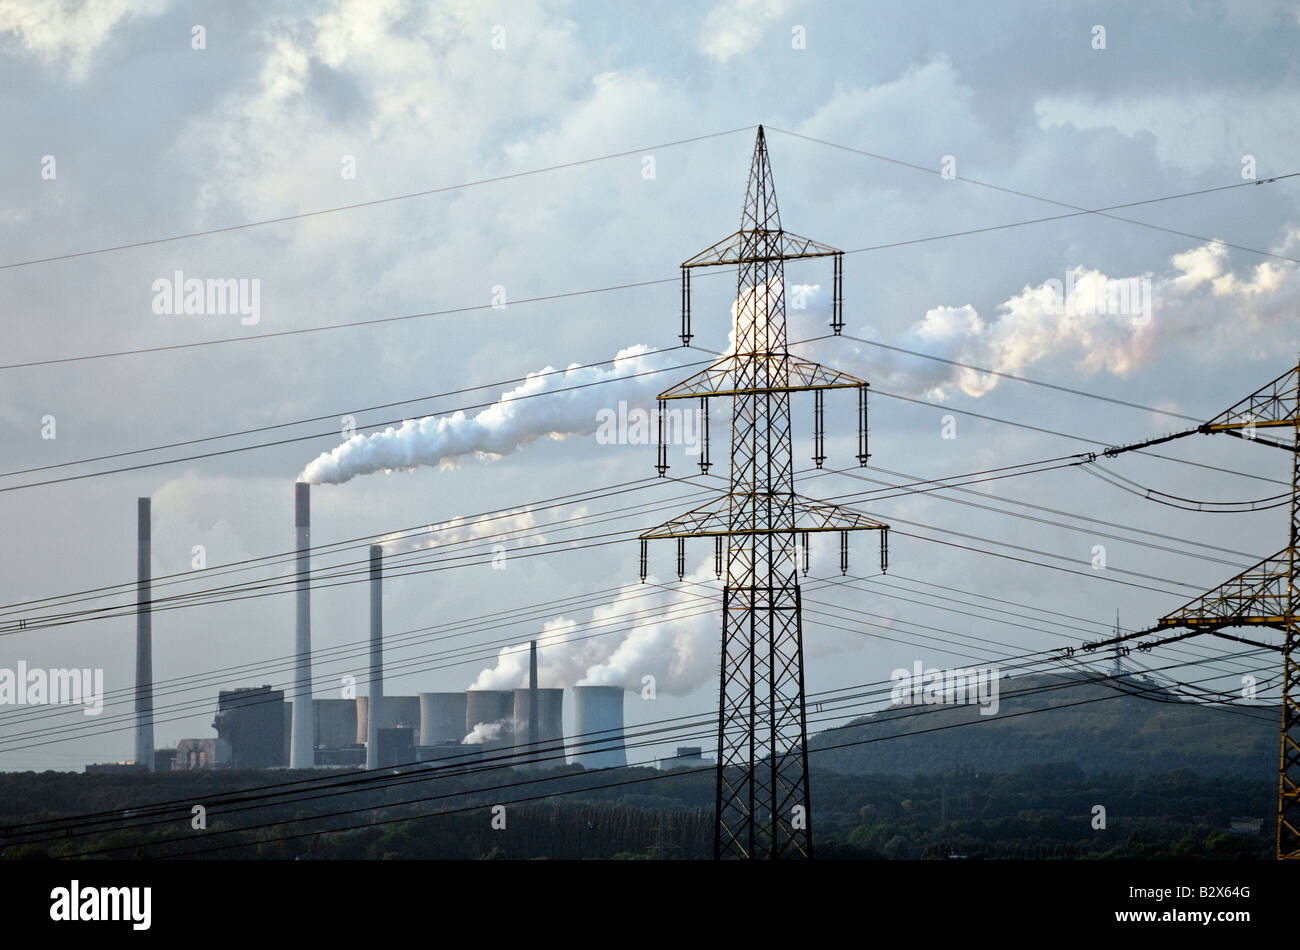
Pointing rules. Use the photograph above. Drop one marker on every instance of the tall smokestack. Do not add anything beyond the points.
(302, 754)
(375, 714)
(533, 732)
(143, 640)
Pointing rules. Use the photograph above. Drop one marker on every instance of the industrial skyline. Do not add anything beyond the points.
(426, 267)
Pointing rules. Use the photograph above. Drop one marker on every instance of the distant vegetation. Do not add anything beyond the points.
(1176, 780)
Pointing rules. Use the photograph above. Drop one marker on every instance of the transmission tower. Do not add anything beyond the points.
(759, 527)
(1262, 596)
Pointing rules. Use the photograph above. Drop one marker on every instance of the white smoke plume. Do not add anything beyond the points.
(673, 637)
(508, 425)
(488, 731)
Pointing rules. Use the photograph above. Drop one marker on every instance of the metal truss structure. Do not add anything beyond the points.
(763, 804)
(1264, 595)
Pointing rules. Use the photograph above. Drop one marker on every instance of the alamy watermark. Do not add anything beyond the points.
(54, 687)
(969, 686)
(636, 426)
(180, 295)
(1101, 296)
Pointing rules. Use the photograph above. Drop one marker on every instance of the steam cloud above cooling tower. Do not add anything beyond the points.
(668, 633)
(511, 423)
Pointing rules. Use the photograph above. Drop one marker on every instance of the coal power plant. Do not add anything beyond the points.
(253, 724)
(272, 727)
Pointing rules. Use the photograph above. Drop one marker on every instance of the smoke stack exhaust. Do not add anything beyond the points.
(375, 715)
(302, 754)
(144, 754)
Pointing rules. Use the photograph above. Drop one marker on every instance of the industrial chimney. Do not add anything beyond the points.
(302, 753)
(144, 754)
(533, 730)
(376, 710)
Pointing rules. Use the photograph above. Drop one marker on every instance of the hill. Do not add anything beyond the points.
(1131, 725)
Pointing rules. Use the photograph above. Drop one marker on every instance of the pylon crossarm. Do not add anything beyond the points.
(1273, 404)
(1258, 595)
(1146, 646)
(784, 374)
(740, 248)
(714, 518)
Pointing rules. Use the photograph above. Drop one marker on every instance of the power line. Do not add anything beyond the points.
(1020, 379)
(367, 204)
(1077, 210)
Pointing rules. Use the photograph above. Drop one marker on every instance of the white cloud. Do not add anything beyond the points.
(1193, 130)
(1105, 323)
(70, 32)
(734, 27)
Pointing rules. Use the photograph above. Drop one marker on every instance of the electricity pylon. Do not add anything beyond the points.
(763, 805)
(1264, 595)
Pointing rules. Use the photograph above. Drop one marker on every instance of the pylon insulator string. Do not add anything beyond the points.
(819, 427)
(863, 454)
(705, 463)
(837, 296)
(686, 307)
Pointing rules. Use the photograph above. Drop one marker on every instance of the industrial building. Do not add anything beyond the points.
(399, 712)
(201, 754)
(687, 757)
(252, 721)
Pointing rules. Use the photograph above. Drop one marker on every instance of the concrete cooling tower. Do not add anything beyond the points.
(598, 740)
(442, 717)
(494, 711)
(398, 711)
(549, 747)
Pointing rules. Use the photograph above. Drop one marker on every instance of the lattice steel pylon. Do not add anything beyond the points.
(763, 804)
(1264, 595)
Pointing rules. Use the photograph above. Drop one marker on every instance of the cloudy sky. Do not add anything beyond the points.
(145, 138)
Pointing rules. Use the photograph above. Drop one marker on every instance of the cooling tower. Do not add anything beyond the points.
(376, 655)
(302, 753)
(143, 639)
(548, 749)
(599, 741)
(491, 707)
(442, 717)
(397, 712)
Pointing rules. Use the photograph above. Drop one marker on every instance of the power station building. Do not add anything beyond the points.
(252, 722)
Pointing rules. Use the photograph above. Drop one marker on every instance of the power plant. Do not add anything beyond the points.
(252, 726)
(258, 727)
